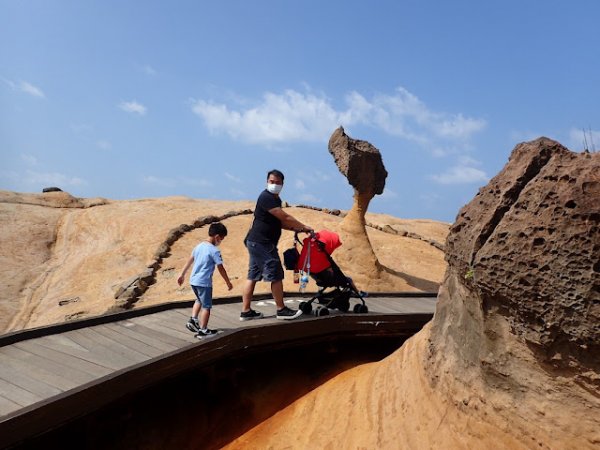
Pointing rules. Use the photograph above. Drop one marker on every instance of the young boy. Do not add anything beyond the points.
(204, 258)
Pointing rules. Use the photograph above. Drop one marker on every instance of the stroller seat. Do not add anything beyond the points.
(316, 254)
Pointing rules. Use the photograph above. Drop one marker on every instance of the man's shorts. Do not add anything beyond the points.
(264, 262)
(203, 295)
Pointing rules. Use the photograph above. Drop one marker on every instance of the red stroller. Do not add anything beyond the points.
(316, 261)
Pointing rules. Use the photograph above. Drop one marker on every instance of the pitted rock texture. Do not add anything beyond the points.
(528, 246)
(359, 161)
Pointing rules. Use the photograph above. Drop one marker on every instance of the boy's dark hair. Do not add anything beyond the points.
(275, 172)
(217, 228)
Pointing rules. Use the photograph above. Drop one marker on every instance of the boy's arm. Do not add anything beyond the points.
(223, 273)
(185, 269)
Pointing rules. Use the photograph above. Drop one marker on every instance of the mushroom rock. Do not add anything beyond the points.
(361, 163)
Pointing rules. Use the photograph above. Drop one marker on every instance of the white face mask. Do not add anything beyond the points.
(274, 188)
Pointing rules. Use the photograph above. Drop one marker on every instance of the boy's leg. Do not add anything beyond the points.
(204, 316)
(196, 309)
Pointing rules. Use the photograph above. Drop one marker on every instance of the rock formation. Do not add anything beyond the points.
(525, 252)
(361, 163)
(510, 359)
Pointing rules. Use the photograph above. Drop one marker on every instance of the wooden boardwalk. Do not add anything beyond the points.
(52, 374)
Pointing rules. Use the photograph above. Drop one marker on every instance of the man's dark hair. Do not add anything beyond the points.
(217, 228)
(275, 172)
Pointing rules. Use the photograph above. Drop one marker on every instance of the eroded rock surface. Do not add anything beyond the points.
(529, 246)
(359, 161)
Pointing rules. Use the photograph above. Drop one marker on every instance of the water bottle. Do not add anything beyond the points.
(303, 282)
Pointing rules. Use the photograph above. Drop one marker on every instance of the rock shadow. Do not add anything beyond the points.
(416, 282)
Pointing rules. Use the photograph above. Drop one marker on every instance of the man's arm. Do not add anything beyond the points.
(223, 273)
(288, 222)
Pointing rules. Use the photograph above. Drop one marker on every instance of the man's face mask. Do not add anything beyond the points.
(274, 188)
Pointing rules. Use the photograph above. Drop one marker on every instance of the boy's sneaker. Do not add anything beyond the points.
(286, 313)
(250, 315)
(193, 325)
(206, 333)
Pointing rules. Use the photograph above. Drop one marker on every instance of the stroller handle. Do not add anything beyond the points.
(311, 233)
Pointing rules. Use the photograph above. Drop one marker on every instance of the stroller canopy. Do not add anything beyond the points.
(318, 259)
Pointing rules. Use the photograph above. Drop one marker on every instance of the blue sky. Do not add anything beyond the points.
(137, 99)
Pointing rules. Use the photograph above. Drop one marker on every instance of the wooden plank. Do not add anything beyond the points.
(114, 363)
(36, 371)
(25, 380)
(143, 336)
(175, 331)
(69, 361)
(116, 356)
(18, 394)
(7, 406)
(130, 353)
(168, 342)
(36, 362)
(128, 337)
(408, 305)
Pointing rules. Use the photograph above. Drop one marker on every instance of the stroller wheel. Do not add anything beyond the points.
(361, 309)
(321, 311)
(305, 307)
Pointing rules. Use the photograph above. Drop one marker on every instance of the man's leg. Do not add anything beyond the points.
(277, 291)
(247, 293)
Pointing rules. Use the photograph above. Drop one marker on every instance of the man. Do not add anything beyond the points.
(261, 242)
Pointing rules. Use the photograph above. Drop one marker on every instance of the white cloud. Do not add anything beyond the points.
(51, 178)
(31, 89)
(300, 184)
(279, 118)
(296, 116)
(103, 145)
(29, 159)
(164, 182)
(25, 86)
(149, 70)
(133, 107)
(233, 177)
(461, 174)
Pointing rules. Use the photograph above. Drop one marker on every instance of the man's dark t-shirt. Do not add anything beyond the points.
(266, 228)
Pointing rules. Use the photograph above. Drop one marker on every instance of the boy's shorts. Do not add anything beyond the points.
(264, 262)
(203, 295)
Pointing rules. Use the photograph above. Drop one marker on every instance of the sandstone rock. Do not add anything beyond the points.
(531, 239)
(359, 161)
(52, 189)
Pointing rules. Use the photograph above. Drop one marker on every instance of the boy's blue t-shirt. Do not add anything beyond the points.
(206, 257)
